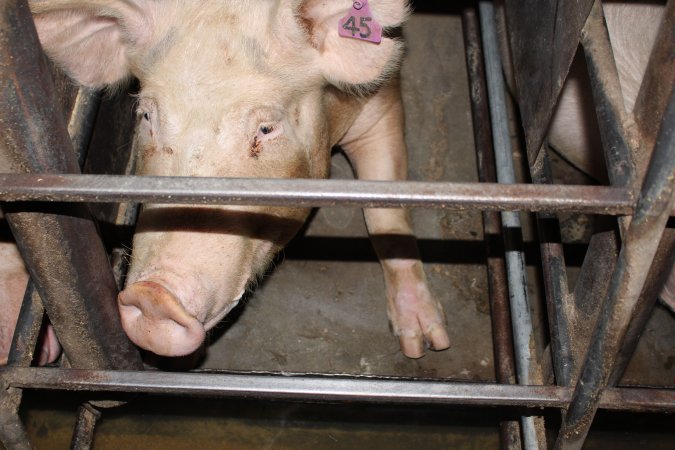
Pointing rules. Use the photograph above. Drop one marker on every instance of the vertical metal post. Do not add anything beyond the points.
(83, 434)
(560, 315)
(525, 348)
(640, 244)
(496, 269)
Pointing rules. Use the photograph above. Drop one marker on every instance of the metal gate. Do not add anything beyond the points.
(587, 362)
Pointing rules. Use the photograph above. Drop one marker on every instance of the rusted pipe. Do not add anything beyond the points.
(83, 434)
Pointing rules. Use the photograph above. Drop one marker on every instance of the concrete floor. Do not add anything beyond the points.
(322, 309)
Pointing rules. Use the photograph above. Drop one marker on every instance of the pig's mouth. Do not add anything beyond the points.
(157, 320)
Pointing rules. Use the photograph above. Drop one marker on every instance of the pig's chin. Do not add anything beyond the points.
(229, 307)
(156, 319)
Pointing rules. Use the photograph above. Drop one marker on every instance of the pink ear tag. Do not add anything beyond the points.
(360, 24)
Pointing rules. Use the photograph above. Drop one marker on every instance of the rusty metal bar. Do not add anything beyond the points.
(34, 138)
(278, 192)
(591, 288)
(494, 244)
(554, 275)
(617, 130)
(82, 120)
(639, 247)
(657, 84)
(12, 432)
(83, 434)
(27, 329)
(29, 322)
(658, 272)
(327, 388)
(650, 107)
(544, 36)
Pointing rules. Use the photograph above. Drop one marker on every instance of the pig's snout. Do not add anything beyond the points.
(155, 320)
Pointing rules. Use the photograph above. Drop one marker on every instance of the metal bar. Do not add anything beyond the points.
(527, 367)
(27, 328)
(555, 279)
(544, 36)
(637, 252)
(656, 87)
(12, 432)
(656, 278)
(327, 388)
(63, 252)
(650, 106)
(618, 131)
(590, 290)
(82, 120)
(306, 193)
(83, 434)
(494, 244)
(29, 322)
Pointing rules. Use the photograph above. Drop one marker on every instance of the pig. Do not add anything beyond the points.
(245, 88)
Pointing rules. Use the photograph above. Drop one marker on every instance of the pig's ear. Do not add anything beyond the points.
(91, 39)
(347, 62)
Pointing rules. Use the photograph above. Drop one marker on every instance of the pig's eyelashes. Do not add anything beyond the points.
(146, 116)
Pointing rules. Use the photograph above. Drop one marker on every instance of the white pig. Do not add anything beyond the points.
(244, 88)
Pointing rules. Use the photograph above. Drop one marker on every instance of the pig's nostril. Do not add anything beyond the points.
(155, 320)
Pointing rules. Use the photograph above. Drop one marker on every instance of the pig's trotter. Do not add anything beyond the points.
(155, 320)
(416, 317)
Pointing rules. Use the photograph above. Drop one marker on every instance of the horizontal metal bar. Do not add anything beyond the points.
(327, 388)
(310, 193)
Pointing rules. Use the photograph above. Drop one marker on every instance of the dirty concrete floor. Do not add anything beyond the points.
(322, 309)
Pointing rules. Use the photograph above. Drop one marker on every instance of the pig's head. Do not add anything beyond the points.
(228, 89)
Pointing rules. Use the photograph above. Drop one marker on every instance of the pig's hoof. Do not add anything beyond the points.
(413, 344)
(419, 322)
(155, 320)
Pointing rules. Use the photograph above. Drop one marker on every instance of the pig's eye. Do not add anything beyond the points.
(147, 113)
(270, 130)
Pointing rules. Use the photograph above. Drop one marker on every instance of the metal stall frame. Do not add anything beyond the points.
(649, 208)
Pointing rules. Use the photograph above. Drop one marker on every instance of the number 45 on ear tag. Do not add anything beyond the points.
(359, 24)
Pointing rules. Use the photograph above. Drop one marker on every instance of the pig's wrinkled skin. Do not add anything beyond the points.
(244, 89)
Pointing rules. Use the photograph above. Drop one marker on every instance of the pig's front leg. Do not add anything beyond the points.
(377, 151)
